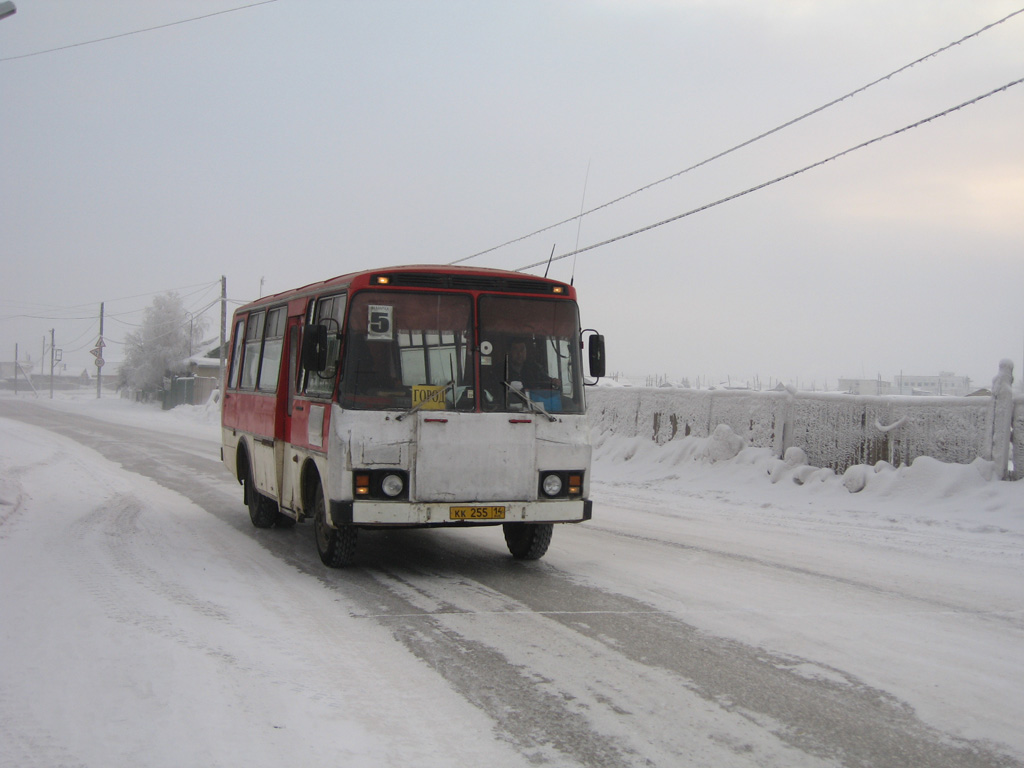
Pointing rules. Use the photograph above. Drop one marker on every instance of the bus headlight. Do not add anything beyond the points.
(392, 486)
(380, 484)
(551, 485)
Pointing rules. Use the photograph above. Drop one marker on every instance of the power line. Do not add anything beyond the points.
(748, 142)
(46, 317)
(88, 331)
(789, 175)
(203, 289)
(137, 31)
(200, 288)
(194, 312)
(175, 328)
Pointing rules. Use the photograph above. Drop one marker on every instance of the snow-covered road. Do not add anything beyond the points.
(705, 617)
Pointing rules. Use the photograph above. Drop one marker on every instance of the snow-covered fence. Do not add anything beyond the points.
(834, 430)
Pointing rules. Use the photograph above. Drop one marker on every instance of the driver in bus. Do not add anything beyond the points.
(527, 371)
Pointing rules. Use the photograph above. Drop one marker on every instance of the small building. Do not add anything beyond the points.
(201, 378)
(24, 370)
(866, 386)
(945, 383)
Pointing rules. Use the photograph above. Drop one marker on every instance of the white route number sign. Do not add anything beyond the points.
(380, 322)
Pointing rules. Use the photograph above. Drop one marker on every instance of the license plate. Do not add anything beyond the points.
(477, 513)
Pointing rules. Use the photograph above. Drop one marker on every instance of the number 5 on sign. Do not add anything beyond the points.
(379, 322)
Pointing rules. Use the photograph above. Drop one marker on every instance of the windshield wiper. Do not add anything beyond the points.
(429, 399)
(534, 406)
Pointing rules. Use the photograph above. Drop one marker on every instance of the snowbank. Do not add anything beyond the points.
(959, 494)
(834, 430)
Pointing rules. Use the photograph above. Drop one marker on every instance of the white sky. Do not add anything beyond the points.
(298, 140)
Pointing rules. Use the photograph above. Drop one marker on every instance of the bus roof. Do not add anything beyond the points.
(428, 276)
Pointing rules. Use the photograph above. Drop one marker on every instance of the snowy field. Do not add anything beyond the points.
(139, 629)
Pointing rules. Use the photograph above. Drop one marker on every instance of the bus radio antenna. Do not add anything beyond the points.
(549, 259)
(579, 225)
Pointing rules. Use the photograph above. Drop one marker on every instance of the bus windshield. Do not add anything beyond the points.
(404, 350)
(530, 347)
(415, 350)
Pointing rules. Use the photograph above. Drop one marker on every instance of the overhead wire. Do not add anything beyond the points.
(202, 291)
(116, 317)
(200, 286)
(66, 344)
(748, 142)
(776, 180)
(136, 31)
(178, 326)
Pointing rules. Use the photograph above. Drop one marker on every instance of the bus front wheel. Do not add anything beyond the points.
(528, 541)
(337, 546)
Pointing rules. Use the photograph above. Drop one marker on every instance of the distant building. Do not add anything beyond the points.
(206, 360)
(7, 370)
(945, 383)
(865, 386)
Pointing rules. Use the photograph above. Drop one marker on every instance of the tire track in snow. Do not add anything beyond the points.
(538, 720)
(1014, 620)
(115, 524)
(12, 495)
(816, 709)
(27, 743)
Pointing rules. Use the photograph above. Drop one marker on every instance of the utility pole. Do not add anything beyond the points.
(223, 329)
(99, 358)
(15, 368)
(52, 353)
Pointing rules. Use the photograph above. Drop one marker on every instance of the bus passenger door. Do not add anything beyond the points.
(296, 416)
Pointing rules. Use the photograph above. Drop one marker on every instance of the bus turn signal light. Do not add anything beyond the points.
(362, 485)
(575, 485)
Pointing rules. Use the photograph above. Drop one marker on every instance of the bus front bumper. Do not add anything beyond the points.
(398, 513)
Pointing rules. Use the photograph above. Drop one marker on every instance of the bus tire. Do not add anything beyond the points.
(528, 541)
(337, 546)
(262, 511)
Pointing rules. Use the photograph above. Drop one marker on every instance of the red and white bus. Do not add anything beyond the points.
(411, 397)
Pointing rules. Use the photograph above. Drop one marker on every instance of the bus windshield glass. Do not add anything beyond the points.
(408, 350)
(529, 349)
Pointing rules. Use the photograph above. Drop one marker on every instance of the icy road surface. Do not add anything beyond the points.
(145, 622)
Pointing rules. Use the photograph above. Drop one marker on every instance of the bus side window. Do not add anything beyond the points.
(236, 354)
(329, 311)
(273, 343)
(253, 342)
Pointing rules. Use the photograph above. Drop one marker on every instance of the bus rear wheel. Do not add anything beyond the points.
(337, 546)
(262, 511)
(528, 541)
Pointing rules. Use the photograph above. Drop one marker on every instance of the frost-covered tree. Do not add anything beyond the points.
(162, 344)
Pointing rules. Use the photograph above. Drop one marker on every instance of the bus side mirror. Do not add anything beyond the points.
(314, 348)
(595, 348)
